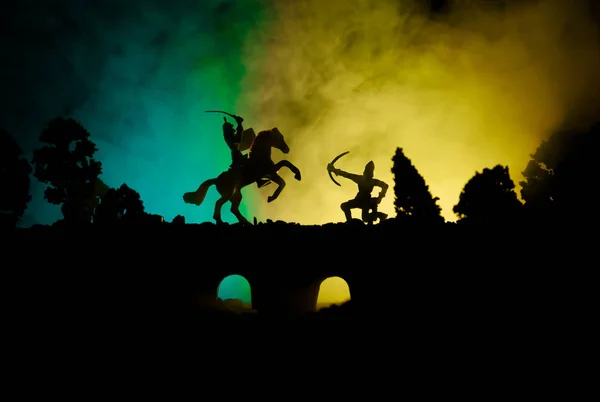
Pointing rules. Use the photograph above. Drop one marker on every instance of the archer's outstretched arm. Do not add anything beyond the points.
(384, 188)
(354, 177)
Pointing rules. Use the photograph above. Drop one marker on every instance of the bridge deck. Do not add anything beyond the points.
(442, 265)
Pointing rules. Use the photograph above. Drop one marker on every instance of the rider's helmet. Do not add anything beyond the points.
(369, 169)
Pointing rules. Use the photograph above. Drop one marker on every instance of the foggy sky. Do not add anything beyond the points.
(136, 73)
(478, 85)
(459, 90)
(58, 55)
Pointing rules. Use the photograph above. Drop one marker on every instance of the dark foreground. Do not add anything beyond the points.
(414, 290)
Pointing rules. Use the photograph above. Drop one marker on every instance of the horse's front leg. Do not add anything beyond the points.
(275, 178)
(290, 166)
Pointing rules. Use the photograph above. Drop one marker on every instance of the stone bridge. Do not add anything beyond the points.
(427, 271)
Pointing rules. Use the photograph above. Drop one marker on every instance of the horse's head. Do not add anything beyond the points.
(277, 140)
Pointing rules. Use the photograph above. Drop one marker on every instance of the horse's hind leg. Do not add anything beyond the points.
(226, 194)
(218, 205)
(236, 200)
(225, 187)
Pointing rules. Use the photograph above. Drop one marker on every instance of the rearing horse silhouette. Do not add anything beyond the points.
(259, 166)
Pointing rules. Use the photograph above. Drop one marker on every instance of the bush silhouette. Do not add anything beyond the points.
(67, 165)
(122, 205)
(180, 220)
(489, 197)
(413, 201)
(14, 181)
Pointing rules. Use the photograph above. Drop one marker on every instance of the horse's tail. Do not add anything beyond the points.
(197, 197)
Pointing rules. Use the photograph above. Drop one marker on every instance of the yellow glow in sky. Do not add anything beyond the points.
(476, 88)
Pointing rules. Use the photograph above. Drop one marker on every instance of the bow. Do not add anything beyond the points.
(333, 165)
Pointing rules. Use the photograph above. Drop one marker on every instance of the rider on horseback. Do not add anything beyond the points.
(233, 137)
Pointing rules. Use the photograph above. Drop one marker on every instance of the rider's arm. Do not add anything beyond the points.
(239, 129)
(384, 188)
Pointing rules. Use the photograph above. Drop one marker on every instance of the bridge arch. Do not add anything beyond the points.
(332, 290)
(235, 293)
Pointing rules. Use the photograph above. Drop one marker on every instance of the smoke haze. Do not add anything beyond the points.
(462, 90)
(138, 74)
(459, 91)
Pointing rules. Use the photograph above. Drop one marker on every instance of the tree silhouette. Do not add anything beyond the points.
(180, 220)
(14, 181)
(413, 201)
(489, 197)
(560, 177)
(67, 165)
(122, 205)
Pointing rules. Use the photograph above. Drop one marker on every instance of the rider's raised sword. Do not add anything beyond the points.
(220, 111)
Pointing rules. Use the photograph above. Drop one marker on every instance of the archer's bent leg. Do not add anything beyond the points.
(370, 213)
(366, 216)
(348, 206)
(289, 165)
(375, 214)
